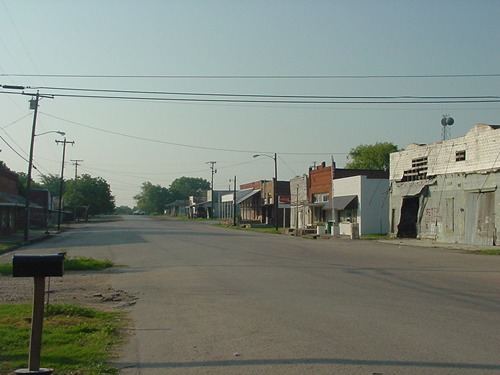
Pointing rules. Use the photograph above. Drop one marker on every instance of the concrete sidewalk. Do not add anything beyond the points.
(431, 243)
(16, 240)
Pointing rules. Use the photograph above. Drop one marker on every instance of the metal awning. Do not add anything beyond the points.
(10, 200)
(246, 196)
(413, 188)
(341, 203)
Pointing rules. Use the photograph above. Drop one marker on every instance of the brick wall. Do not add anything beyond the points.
(9, 182)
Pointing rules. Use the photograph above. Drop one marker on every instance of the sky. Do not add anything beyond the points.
(225, 80)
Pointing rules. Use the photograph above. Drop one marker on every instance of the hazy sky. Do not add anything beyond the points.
(291, 49)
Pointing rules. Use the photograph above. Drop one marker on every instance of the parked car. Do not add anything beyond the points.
(139, 212)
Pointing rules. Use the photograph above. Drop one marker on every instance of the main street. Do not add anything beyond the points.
(217, 301)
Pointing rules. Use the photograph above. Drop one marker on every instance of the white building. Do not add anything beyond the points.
(362, 200)
(446, 191)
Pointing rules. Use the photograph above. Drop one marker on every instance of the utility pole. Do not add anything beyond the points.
(212, 168)
(35, 99)
(275, 182)
(75, 163)
(275, 192)
(61, 185)
(234, 202)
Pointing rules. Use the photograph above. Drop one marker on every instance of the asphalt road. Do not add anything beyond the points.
(217, 301)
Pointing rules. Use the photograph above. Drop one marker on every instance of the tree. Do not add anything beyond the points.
(123, 210)
(91, 192)
(184, 187)
(21, 189)
(371, 156)
(153, 198)
(52, 183)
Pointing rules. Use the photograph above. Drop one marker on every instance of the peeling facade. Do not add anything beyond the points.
(447, 191)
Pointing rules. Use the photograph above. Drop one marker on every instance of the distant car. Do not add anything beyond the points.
(139, 212)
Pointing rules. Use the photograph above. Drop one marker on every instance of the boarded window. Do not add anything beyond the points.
(418, 170)
(460, 155)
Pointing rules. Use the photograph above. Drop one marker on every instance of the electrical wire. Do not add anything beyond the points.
(390, 97)
(374, 100)
(287, 77)
(181, 144)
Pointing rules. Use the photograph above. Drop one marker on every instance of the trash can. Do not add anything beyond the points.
(330, 228)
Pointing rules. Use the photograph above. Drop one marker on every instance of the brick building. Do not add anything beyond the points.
(11, 205)
(359, 196)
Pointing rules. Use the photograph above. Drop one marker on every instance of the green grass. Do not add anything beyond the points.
(4, 246)
(253, 229)
(86, 264)
(75, 340)
(5, 269)
(488, 252)
(70, 264)
(374, 236)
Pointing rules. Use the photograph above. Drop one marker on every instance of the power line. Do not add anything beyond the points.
(372, 97)
(159, 76)
(181, 144)
(353, 100)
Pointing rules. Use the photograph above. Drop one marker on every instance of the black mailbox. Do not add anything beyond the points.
(24, 265)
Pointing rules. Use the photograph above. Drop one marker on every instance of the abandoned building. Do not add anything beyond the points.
(446, 191)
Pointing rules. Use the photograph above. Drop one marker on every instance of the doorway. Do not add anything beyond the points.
(407, 227)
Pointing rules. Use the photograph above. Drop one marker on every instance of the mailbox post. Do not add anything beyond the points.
(38, 267)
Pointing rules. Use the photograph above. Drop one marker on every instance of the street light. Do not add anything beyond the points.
(275, 181)
(52, 131)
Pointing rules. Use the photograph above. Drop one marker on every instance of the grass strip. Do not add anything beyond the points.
(252, 229)
(70, 264)
(75, 340)
(488, 252)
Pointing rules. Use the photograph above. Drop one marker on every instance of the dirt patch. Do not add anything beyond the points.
(85, 289)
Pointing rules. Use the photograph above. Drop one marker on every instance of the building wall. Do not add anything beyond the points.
(455, 208)
(374, 206)
(299, 214)
(373, 201)
(320, 181)
(9, 182)
(251, 185)
(481, 145)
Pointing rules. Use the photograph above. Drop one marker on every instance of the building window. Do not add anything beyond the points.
(418, 170)
(320, 198)
(460, 155)
(3, 218)
(348, 216)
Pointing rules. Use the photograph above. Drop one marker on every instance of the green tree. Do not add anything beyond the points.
(123, 210)
(184, 187)
(371, 156)
(52, 183)
(23, 177)
(153, 198)
(94, 193)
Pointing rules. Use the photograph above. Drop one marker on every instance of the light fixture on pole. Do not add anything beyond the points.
(275, 182)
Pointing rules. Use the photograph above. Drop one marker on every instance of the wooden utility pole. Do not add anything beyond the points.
(61, 185)
(75, 163)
